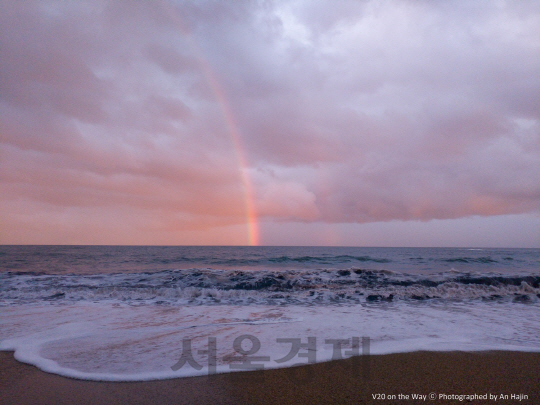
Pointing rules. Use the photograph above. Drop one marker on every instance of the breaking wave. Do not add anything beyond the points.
(297, 287)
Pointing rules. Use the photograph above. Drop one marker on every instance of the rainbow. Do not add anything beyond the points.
(253, 235)
(234, 132)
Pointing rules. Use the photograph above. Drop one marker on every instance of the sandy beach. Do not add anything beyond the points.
(488, 374)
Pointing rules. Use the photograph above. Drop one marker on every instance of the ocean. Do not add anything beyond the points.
(133, 313)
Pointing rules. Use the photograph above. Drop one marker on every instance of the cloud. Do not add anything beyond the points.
(284, 200)
(347, 112)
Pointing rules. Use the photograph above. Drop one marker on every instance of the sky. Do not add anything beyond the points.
(354, 123)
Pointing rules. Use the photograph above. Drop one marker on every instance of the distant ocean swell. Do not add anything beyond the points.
(260, 260)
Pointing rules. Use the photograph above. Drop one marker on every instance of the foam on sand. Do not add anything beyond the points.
(119, 342)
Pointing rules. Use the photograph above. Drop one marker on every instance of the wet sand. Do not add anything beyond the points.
(338, 382)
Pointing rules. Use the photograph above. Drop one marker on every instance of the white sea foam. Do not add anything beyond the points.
(120, 342)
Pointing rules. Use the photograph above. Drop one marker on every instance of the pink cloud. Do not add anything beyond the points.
(357, 113)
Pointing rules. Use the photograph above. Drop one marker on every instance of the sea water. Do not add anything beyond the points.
(121, 313)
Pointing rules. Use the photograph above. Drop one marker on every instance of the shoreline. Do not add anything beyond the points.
(356, 381)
